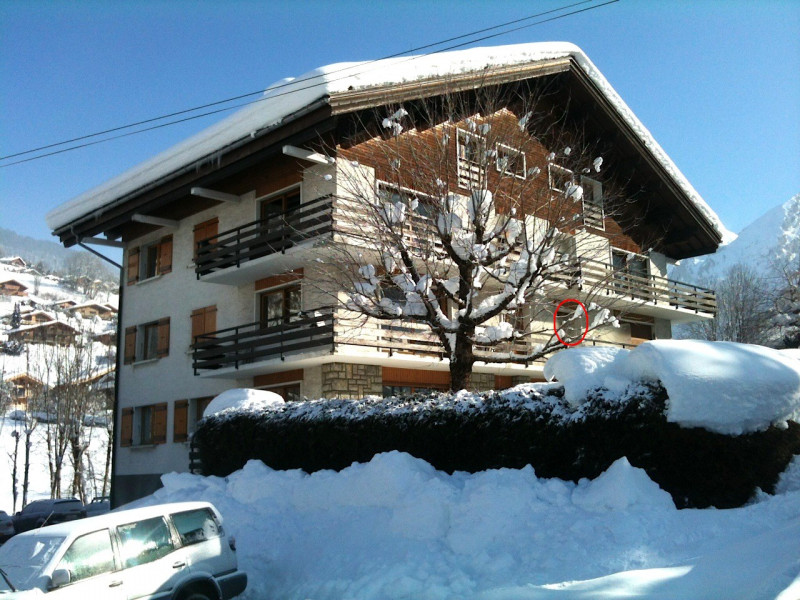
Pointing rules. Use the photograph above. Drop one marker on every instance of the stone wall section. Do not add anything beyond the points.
(349, 381)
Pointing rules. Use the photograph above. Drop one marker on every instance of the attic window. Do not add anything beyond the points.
(559, 178)
(593, 211)
(470, 149)
(510, 161)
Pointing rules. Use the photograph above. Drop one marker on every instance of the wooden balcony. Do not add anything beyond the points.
(644, 292)
(276, 235)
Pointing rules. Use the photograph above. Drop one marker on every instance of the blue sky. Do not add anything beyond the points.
(715, 82)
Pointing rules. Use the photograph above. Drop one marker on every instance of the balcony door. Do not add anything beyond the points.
(270, 209)
(280, 306)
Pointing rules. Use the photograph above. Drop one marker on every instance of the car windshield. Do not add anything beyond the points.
(23, 557)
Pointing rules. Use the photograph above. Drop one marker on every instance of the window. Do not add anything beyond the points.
(511, 161)
(144, 541)
(149, 260)
(280, 306)
(593, 213)
(424, 206)
(631, 273)
(144, 425)
(196, 526)
(470, 150)
(204, 321)
(559, 178)
(405, 390)
(89, 555)
(269, 209)
(149, 341)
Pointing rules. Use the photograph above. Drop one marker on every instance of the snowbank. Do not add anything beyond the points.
(242, 399)
(722, 386)
(396, 528)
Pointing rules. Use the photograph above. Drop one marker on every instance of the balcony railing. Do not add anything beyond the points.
(275, 234)
(322, 331)
(650, 289)
(251, 343)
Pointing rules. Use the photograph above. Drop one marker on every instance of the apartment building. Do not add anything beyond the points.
(226, 239)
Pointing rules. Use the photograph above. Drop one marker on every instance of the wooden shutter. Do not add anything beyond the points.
(205, 231)
(130, 345)
(204, 320)
(165, 255)
(126, 427)
(180, 421)
(162, 349)
(201, 404)
(160, 423)
(133, 265)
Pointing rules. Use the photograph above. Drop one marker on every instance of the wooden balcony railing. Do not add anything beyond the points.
(650, 289)
(267, 236)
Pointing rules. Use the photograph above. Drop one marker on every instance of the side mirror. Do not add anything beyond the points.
(60, 578)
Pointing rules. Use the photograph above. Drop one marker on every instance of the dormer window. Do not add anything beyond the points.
(470, 149)
(510, 161)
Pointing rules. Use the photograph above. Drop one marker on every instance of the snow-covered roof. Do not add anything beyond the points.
(288, 96)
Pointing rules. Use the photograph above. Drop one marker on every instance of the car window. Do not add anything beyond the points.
(144, 541)
(32, 507)
(89, 555)
(23, 557)
(196, 525)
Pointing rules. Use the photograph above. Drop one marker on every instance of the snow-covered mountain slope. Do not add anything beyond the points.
(775, 234)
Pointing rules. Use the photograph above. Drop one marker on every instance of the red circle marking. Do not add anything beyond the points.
(585, 314)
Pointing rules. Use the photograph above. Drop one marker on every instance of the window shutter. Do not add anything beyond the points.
(201, 404)
(198, 323)
(160, 423)
(207, 230)
(165, 255)
(133, 265)
(163, 338)
(126, 435)
(180, 421)
(130, 345)
(210, 319)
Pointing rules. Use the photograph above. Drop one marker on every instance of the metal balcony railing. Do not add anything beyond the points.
(253, 342)
(271, 235)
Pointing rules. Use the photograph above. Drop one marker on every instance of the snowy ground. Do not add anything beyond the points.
(396, 528)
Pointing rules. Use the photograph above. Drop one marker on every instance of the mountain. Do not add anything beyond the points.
(774, 235)
(52, 255)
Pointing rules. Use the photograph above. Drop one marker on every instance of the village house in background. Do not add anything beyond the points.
(227, 235)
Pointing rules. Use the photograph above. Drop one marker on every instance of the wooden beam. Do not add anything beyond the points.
(214, 194)
(151, 220)
(102, 242)
(314, 157)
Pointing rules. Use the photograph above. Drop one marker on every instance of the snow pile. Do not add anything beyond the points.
(725, 387)
(396, 528)
(243, 399)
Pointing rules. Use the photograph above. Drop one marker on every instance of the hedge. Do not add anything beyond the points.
(526, 425)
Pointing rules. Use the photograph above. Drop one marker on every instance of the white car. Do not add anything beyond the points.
(172, 551)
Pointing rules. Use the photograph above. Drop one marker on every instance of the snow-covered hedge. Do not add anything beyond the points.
(531, 424)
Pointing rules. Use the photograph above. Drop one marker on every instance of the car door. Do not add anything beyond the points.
(92, 568)
(152, 563)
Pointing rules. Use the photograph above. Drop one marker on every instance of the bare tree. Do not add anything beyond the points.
(786, 305)
(743, 309)
(467, 216)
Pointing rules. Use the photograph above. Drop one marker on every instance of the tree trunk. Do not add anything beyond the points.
(461, 362)
(14, 490)
(26, 467)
